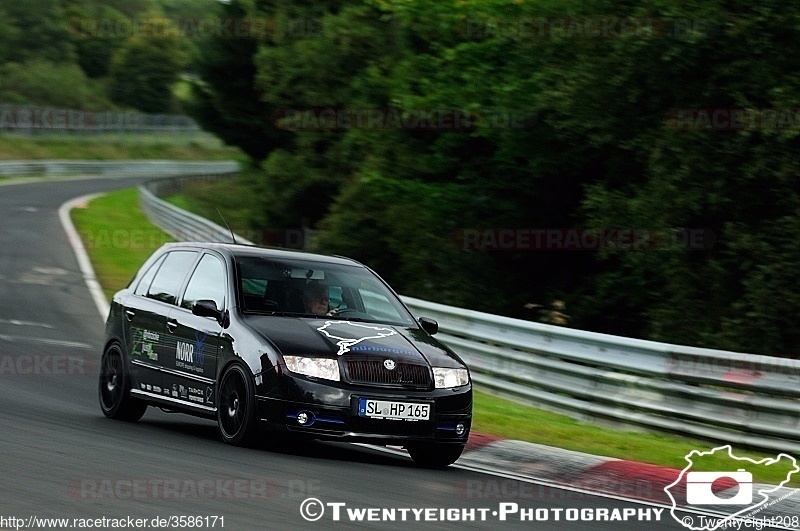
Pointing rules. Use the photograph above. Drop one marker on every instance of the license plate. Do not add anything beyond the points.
(385, 409)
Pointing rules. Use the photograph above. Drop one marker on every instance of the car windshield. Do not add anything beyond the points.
(287, 286)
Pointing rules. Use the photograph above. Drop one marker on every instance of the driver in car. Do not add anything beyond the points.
(316, 298)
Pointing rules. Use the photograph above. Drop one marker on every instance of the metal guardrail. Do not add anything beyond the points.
(178, 223)
(120, 168)
(737, 398)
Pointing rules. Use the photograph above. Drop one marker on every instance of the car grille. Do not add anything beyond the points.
(373, 372)
(391, 427)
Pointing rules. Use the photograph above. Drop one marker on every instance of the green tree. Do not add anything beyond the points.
(130, 8)
(505, 170)
(736, 290)
(97, 33)
(225, 99)
(41, 31)
(597, 141)
(319, 59)
(145, 68)
(9, 35)
(47, 84)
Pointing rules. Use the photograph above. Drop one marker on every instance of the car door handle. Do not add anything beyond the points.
(172, 325)
(129, 314)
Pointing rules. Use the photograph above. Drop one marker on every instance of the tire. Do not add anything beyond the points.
(435, 455)
(114, 388)
(236, 407)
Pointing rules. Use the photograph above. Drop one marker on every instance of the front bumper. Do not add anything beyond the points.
(331, 412)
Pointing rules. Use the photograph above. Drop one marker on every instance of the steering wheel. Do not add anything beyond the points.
(343, 312)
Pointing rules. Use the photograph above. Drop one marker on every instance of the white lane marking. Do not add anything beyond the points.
(44, 276)
(53, 271)
(17, 322)
(58, 342)
(84, 263)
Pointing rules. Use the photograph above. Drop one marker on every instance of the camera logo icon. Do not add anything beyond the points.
(699, 487)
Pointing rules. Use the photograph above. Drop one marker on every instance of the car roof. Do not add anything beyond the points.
(238, 250)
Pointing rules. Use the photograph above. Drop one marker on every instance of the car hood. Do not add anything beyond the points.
(335, 337)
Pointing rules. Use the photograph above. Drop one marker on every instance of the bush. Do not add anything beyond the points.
(45, 83)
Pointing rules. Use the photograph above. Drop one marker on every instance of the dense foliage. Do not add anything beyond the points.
(573, 117)
(599, 142)
(96, 54)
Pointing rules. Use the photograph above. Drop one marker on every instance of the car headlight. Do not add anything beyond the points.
(445, 378)
(325, 368)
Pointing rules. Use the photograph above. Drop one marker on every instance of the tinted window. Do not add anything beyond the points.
(290, 286)
(378, 305)
(207, 282)
(168, 280)
(144, 284)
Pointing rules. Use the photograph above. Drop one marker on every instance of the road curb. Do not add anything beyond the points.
(609, 476)
(84, 263)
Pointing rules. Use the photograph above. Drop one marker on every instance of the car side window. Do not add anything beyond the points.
(147, 279)
(167, 282)
(207, 282)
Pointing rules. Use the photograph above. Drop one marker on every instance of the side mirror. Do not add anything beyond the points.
(429, 325)
(207, 308)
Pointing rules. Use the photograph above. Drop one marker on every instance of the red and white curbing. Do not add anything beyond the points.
(569, 468)
(616, 477)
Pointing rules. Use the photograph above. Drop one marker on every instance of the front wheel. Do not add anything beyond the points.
(114, 388)
(236, 410)
(435, 455)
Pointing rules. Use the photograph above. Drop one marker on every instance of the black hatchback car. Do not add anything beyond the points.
(291, 342)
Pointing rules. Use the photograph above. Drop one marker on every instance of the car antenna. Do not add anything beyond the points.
(233, 236)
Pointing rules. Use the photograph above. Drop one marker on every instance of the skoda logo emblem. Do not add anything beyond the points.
(389, 364)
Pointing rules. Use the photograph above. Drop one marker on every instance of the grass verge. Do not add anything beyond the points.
(119, 238)
(515, 421)
(117, 146)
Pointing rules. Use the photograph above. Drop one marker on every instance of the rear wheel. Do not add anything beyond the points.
(435, 455)
(236, 409)
(114, 388)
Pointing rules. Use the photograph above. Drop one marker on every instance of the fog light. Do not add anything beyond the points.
(303, 418)
(460, 429)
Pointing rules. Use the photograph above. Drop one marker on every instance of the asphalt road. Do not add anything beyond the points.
(60, 457)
